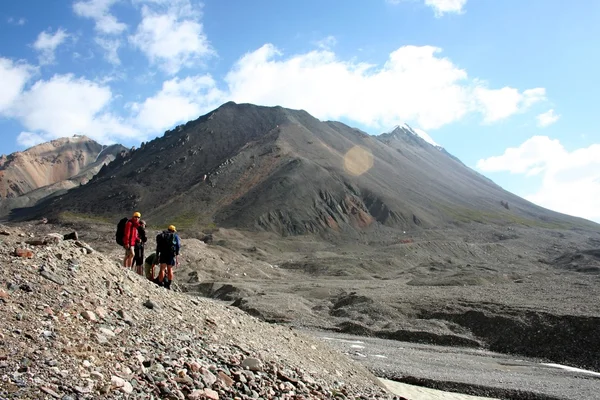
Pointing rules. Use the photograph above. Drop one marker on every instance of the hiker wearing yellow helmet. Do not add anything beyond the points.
(130, 237)
(168, 245)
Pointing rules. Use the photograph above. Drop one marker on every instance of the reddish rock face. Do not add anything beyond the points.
(62, 162)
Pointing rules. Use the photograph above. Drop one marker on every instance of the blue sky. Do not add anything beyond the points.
(507, 86)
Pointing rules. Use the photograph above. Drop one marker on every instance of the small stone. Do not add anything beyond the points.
(117, 382)
(107, 332)
(226, 379)
(124, 315)
(95, 375)
(127, 388)
(208, 377)
(197, 394)
(90, 316)
(150, 304)
(52, 277)
(101, 312)
(211, 394)
(253, 364)
(84, 246)
(49, 391)
(24, 253)
(101, 339)
(26, 287)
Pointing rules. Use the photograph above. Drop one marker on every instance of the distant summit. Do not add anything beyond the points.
(29, 175)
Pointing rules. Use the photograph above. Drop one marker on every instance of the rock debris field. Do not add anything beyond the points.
(76, 325)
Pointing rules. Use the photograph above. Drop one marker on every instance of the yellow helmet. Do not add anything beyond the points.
(172, 228)
(137, 214)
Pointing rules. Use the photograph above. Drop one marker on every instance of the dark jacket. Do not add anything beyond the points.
(141, 236)
(167, 247)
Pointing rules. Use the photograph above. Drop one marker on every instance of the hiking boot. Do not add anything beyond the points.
(155, 280)
(167, 284)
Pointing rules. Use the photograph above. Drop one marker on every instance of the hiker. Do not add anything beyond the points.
(130, 235)
(149, 264)
(138, 257)
(167, 252)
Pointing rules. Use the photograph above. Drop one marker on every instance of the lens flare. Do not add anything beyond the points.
(358, 160)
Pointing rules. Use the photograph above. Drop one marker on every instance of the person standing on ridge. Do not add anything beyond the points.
(168, 245)
(138, 257)
(130, 236)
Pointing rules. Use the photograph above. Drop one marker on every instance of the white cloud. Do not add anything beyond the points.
(570, 180)
(110, 47)
(502, 103)
(547, 118)
(170, 40)
(30, 139)
(179, 100)
(415, 85)
(13, 77)
(440, 7)
(47, 43)
(99, 11)
(65, 105)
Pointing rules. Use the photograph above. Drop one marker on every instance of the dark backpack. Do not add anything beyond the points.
(166, 243)
(121, 231)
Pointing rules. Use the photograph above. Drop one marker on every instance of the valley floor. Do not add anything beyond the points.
(463, 371)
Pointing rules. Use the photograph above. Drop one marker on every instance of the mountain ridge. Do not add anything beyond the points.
(232, 157)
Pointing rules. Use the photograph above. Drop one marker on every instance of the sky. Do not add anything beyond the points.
(508, 86)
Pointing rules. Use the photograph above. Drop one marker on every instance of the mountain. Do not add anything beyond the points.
(284, 171)
(319, 224)
(50, 168)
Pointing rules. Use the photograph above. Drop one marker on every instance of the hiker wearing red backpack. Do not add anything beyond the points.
(130, 238)
(168, 245)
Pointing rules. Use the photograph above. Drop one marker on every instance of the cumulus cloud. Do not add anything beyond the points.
(13, 77)
(179, 100)
(502, 103)
(570, 179)
(171, 39)
(46, 44)
(415, 84)
(30, 139)
(64, 106)
(547, 118)
(441, 7)
(99, 11)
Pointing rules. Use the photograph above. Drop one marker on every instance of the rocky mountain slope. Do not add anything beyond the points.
(78, 326)
(48, 168)
(281, 170)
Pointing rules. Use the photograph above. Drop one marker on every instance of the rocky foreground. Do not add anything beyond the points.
(75, 325)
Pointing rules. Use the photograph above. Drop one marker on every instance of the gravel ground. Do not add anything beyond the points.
(78, 326)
